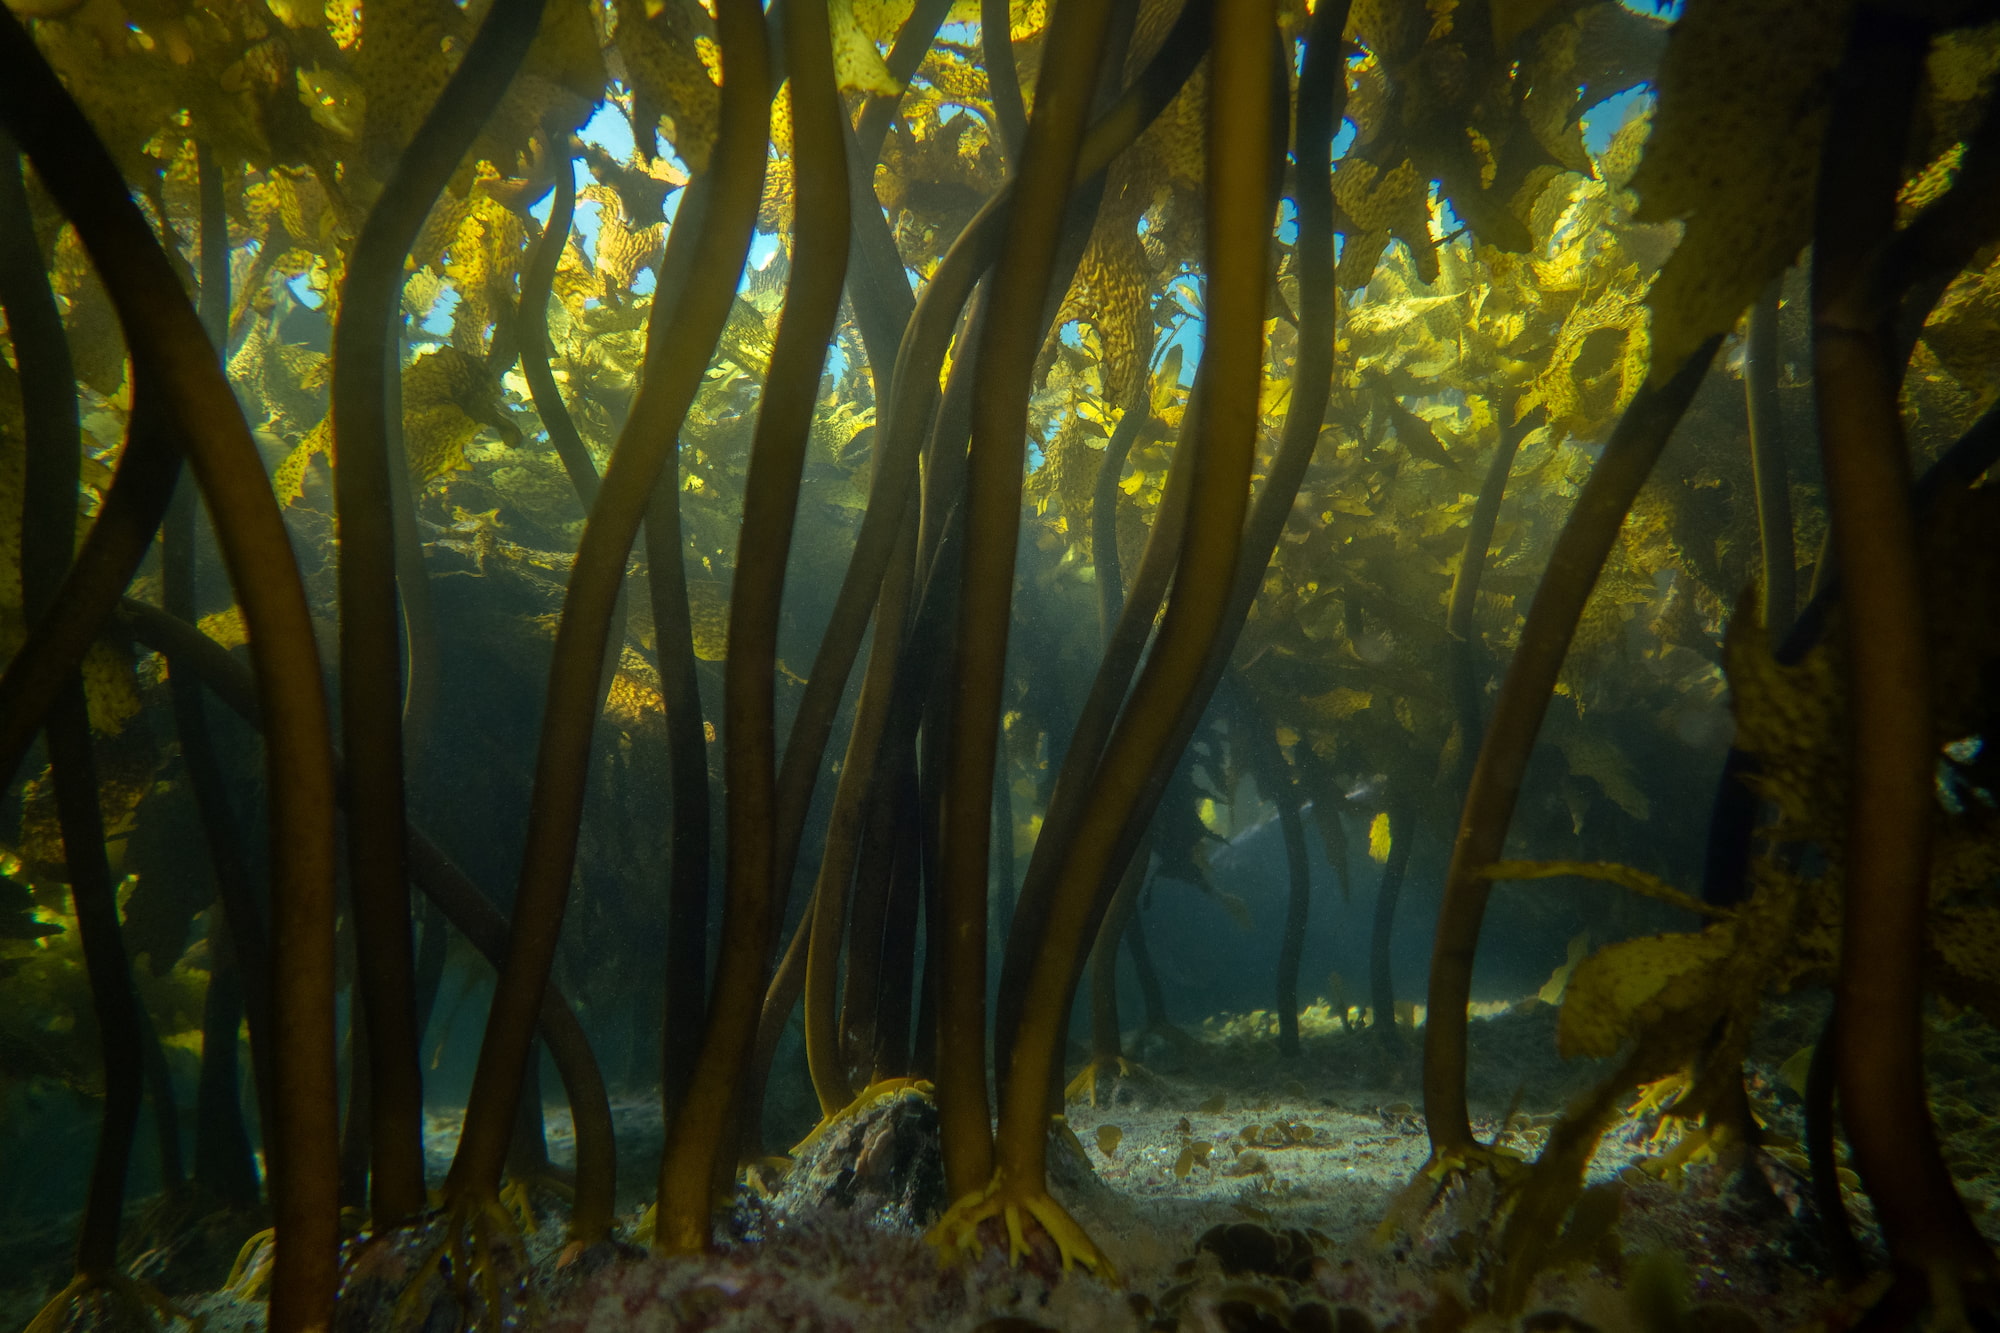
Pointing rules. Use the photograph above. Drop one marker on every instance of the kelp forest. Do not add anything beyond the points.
(1241, 665)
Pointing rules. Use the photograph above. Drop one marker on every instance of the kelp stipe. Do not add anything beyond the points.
(168, 346)
(370, 650)
(1497, 776)
(1939, 1257)
(701, 1144)
(49, 486)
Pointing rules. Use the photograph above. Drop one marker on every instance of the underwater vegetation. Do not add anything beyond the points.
(761, 537)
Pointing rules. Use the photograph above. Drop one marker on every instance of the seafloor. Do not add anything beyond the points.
(1231, 1188)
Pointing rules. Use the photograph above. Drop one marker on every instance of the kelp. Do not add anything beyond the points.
(1459, 380)
(370, 653)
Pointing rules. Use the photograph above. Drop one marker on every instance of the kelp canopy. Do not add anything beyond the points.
(1068, 409)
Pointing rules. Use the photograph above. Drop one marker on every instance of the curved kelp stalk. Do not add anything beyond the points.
(677, 352)
(1820, 1139)
(906, 703)
(1321, 103)
(1460, 623)
(1939, 1257)
(1003, 78)
(1768, 466)
(1238, 229)
(1495, 786)
(861, 979)
(119, 538)
(1110, 578)
(878, 287)
(913, 42)
(1107, 1048)
(1733, 815)
(1282, 791)
(531, 328)
(240, 988)
(1106, 1040)
(413, 582)
(371, 690)
(689, 816)
(1010, 339)
(826, 1059)
(48, 535)
(699, 1142)
(170, 349)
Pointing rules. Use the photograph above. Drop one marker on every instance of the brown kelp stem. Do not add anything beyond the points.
(169, 348)
(1154, 995)
(1891, 766)
(1920, 257)
(159, 1082)
(860, 981)
(1284, 793)
(913, 671)
(413, 581)
(1006, 871)
(1836, 1228)
(900, 437)
(246, 954)
(1322, 96)
(1381, 978)
(1010, 339)
(677, 353)
(528, 1149)
(48, 390)
(111, 994)
(1073, 788)
(1767, 465)
(531, 327)
(913, 42)
(118, 540)
(48, 535)
(225, 1172)
(825, 1055)
(891, 1054)
(355, 1148)
(996, 41)
(701, 1135)
(877, 284)
(728, 209)
(1460, 626)
(1517, 716)
(1110, 579)
(1733, 815)
(689, 817)
(1106, 1038)
(1238, 216)
(429, 974)
(371, 689)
